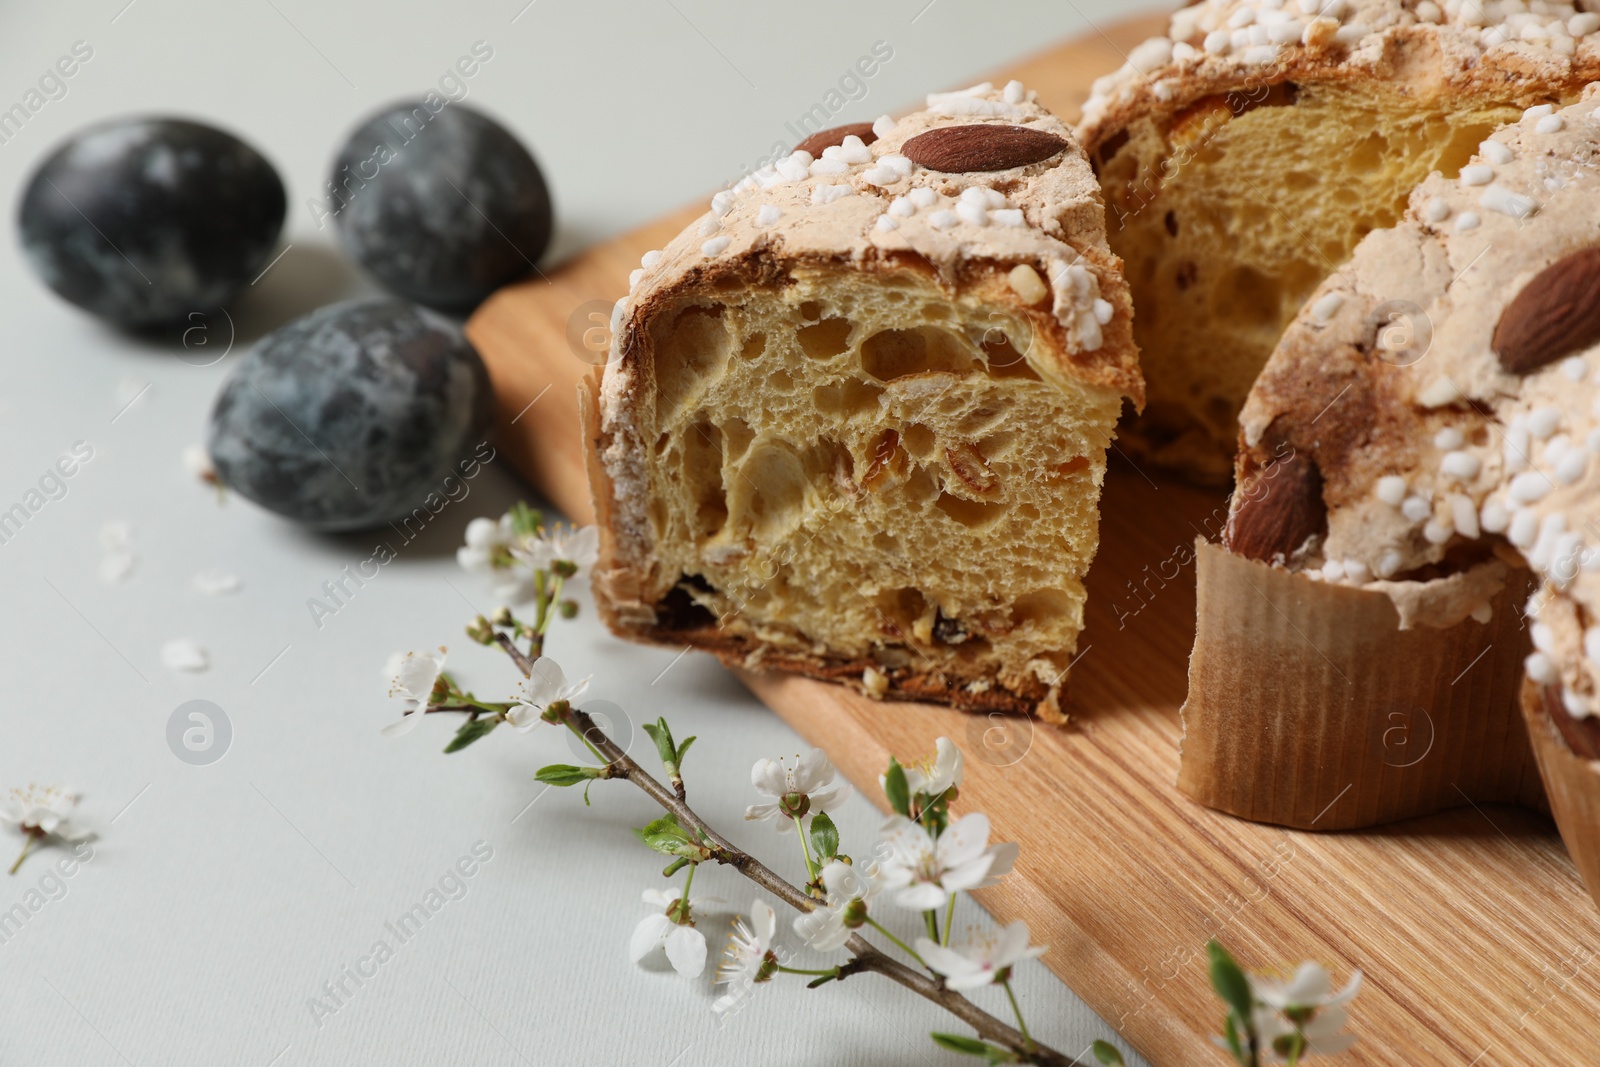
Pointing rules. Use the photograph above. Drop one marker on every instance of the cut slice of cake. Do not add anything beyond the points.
(1245, 154)
(855, 419)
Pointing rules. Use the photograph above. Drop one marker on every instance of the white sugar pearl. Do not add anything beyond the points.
(1333, 571)
(1541, 670)
(1524, 528)
(708, 226)
(1467, 220)
(1494, 518)
(827, 194)
(829, 168)
(723, 202)
(1437, 532)
(1007, 216)
(944, 220)
(1416, 508)
(716, 246)
(1357, 571)
(768, 214)
(882, 126)
(1591, 644)
(1530, 487)
(1583, 24)
(1539, 111)
(1572, 467)
(1388, 564)
(1437, 210)
(901, 208)
(1496, 152)
(1516, 448)
(886, 223)
(1327, 307)
(1462, 465)
(1013, 92)
(1104, 312)
(1576, 368)
(633, 279)
(1543, 421)
(972, 214)
(1465, 515)
(1544, 638)
(1499, 198)
(1447, 438)
(1217, 42)
(1577, 704)
(923, 197)
(1392, 489)
(1477, 174)
(1551, 124)
(650, 259)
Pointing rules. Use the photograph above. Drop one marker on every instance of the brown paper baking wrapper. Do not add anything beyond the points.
(1309, 707)
(1572, 784)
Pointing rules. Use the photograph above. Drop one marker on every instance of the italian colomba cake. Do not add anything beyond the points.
(855, 419)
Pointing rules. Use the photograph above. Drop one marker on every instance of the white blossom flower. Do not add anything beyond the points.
(413, 676)
(984, 958)
(686, 946)
(546, 685)
(807, 787)
(936, 774)
(824, 927)
(488, 551)
(1306, 996)
(579, 546)
(746, 959)
(922, 872)
(45, 811)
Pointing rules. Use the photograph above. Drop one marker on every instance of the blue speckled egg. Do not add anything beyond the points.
(441, 207)
(144, 221)
(353, 415)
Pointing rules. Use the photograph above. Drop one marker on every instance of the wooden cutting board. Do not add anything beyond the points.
(1472, 927)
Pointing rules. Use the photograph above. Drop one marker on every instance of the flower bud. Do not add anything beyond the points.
(502, 616)
(568, 609)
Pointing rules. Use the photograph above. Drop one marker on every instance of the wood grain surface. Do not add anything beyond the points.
(1472, 927)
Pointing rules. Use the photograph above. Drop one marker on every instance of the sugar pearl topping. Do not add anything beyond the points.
(1214, 36)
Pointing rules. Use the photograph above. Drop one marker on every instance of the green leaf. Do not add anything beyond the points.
(662, 736)
(894, 787)
(1107, 1054)
(1230, 1034)
(971, 1046)
(683, 750)
(668, 838)
(564, 774)
(1230, 983)
(471, 730)
(824, 837)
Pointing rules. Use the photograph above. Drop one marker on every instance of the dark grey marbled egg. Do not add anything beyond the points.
(143, 221)
(442, 208)
(351, 416)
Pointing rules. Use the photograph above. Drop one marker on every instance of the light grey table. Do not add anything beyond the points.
(221, 898)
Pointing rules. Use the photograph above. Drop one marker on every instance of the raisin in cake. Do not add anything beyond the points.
(856, 417)
(1245, 154)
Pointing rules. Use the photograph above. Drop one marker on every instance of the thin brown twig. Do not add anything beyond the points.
(865, 957)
